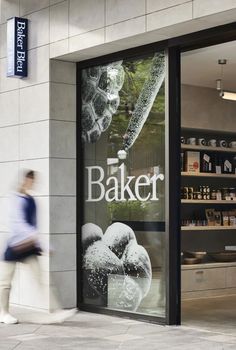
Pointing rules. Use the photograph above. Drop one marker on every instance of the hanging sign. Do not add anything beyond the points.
(17, 55)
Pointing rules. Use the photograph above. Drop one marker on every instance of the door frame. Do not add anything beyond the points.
(174, 46)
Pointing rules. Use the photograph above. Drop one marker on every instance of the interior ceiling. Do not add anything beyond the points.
(200, 67)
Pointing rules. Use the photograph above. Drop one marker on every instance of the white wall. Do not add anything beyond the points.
(37, 114)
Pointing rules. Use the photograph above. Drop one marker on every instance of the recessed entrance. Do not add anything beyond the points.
(208, 187)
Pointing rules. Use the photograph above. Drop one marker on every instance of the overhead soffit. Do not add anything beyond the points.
(201, 68)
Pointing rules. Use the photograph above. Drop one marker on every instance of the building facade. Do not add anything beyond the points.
(38, 113)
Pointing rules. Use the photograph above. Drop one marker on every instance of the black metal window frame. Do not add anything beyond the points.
(174, 47)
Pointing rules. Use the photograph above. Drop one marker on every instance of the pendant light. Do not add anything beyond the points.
(226, 95)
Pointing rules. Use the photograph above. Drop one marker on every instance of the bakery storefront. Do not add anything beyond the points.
(134, 108)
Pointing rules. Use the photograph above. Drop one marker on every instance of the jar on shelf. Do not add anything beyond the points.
(190, 190)
(218, 195)
(197, 195)
(191, 195)
(225, 194)
(213, 195)
(232, 192)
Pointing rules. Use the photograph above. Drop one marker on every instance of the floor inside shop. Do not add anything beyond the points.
(208, 123)
(213, 314)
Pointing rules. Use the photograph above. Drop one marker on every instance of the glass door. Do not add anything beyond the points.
(125, 218)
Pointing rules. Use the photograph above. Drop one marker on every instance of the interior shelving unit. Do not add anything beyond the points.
(207, 278)
(195, 179)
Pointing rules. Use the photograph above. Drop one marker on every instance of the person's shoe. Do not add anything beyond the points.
(8, 319)
(62, 315)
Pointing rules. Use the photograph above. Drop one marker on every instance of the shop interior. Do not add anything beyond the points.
(208, 187)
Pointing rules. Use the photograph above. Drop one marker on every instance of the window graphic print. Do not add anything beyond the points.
(123, 236)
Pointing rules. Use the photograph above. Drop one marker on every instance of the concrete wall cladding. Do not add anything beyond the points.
(208, 109)
(38, 117)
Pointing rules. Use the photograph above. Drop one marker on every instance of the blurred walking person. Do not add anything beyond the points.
(24, 246)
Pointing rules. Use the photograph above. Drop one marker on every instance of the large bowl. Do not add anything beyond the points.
(225, 256)
(190, 261)
(198, 255)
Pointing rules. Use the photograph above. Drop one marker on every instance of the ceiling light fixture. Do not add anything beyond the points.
(226, 95)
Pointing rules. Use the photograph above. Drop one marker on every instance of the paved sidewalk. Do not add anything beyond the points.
(94, 332)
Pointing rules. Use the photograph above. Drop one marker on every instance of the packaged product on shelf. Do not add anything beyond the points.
(218, 195)
(227, 165)
(213, 195)
(231, 218)
(192, 162)
(217, 218)
(215, 163)
(225, 194)
(182, 139)
(225, 218)
(190, 190)
(192, 223)
(232, 193)
(206, 165)
(234, 164)
(219, 166)
(234, 213)
(202, 189)
(184, 192)
(205, 191)
(210, 216)
(197, 195)
(182, 161)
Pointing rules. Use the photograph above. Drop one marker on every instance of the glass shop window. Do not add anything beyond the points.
(123, 236)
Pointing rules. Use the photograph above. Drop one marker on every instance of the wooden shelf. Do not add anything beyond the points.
(207, 201)
(208, 148)
(208, 265)
(208, 131)
(225, 176)
(207, 228)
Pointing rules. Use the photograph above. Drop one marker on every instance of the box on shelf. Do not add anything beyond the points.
(206, 163)
(192, 163)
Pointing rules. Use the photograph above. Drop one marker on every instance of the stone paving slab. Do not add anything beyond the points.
(99, 332)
